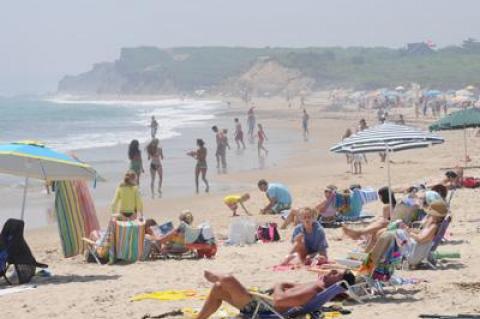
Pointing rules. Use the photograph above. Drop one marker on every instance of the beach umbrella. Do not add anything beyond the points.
(432, 93)
(387, 137)
(400, 88)
(470, 88)
(464, 93)
(30, 159)
(459, 120)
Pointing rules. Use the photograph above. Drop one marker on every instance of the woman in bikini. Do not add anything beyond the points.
(201, 168)
(155, 156)
(135, 157)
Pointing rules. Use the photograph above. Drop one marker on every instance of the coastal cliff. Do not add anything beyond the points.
(272, 71)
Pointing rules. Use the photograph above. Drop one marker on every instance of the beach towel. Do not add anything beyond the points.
(128, 238)
(76, 216)
(172, 295)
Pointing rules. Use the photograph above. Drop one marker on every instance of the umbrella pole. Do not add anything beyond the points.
(465, 143)
(389, 182)
(25, 188)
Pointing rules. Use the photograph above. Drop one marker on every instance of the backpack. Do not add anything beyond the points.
(268, 232)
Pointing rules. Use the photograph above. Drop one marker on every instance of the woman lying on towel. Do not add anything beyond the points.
(309, 241)
(415, 244)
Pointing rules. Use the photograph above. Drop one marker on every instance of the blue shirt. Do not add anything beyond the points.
(316, 241)
(280, 193)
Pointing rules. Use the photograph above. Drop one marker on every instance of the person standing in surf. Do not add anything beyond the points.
(201, 167)
(135, 157)
(155, 155)
(153, 127)
(251, 121)
(238, 134)
(261, 140)
(221, 152)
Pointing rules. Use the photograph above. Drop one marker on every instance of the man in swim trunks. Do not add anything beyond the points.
(278, 196)
(285, 295)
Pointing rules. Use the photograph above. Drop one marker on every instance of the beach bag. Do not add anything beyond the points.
(471, 182)
(242, 231)
(268, 232)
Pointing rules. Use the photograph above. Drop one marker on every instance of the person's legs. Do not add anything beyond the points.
(197, 173)
(152, 181)
(204, 178)
(226, 288)
(369, 230)
(223, 156)
(160, 179)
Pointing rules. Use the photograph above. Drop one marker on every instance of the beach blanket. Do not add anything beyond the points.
(76, 216)
(129, 237)
(172, 295)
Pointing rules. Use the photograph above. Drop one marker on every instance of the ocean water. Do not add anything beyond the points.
(68, 124)
(99, 132)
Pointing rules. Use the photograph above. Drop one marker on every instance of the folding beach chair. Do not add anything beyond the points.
(128, 240)
(442, 230)
(313, 307)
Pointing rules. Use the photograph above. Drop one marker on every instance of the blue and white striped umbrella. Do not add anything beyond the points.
(387, 137)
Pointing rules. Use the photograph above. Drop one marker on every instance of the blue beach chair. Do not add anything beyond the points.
(313, 307)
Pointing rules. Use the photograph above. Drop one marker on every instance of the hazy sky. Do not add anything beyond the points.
(40, 41)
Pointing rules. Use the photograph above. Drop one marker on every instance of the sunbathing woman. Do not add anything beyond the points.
(377, 225)
(416, 243)
(174, 240)
(309, 240)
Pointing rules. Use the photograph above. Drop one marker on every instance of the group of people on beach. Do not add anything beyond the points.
(155, 152)
(414, 221)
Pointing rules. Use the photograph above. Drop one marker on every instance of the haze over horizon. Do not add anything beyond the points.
(40, 42)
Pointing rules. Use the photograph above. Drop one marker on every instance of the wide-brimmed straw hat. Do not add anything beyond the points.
(438, 209)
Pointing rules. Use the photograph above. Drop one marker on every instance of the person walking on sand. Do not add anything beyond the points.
(251, 121)
(155, 156)
(261, 140)
(238, 134)
(135, 157)
(305, 120)
(153, 127)
(201, 168)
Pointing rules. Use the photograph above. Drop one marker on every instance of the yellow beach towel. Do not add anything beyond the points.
(171, 295)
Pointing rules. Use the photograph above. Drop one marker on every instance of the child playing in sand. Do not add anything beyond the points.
(232, 201)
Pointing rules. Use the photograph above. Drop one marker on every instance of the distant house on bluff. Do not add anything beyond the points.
(418, 48)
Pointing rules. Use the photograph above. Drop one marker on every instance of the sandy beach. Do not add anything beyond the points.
(81, 290)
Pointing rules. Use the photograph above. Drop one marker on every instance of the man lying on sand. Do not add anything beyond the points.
(285, 295)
